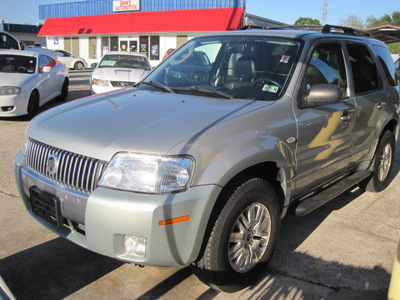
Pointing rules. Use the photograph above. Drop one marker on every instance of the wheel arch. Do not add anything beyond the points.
(392, 126)
(274, 175)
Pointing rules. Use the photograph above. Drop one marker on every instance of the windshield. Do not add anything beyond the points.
(124, 61)
(249, 67)
(17, 64)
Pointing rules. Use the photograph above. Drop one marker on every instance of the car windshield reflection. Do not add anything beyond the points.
(237, 66)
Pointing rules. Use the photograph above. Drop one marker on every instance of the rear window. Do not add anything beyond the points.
(386, 61)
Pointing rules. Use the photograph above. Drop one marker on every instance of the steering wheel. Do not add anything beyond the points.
(22, 69)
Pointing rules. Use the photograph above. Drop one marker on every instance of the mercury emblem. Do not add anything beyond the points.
(52, 164)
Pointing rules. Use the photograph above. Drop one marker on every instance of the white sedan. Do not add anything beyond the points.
(117, 70)
(29, 79)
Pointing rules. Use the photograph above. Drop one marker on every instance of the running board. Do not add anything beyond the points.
(308, 205)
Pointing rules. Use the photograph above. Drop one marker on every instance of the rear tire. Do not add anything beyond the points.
(79, 65)
(382, 164)
(243, 237)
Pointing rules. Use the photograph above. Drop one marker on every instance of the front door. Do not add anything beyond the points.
(325, 132)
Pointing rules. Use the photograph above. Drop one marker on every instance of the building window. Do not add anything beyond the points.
(180, 40)
(155, 47)
(144, 45)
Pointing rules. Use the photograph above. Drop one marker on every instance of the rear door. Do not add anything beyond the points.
(370, 98)
(325, 132)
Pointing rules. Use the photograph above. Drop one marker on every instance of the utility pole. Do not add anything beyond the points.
(325, 14)
(8, 6)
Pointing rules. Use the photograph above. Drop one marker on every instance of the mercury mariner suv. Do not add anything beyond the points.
(199, 162)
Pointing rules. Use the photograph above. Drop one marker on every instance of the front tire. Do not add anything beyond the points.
(64, 91)
(33, 104)
(382, 164)
(242, 238)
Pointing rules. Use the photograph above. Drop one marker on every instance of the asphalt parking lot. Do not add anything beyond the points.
(344, 250)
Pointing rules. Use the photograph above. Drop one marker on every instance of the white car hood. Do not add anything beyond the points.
(14, 79)
(119, 74)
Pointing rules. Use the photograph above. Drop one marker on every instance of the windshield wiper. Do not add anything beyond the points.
(207, 91)
(159, 86)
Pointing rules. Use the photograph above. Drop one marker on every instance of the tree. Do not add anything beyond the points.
(352, 21)
(307, 21)
(394, 19)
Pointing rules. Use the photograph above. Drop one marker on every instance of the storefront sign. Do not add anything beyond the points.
(126, 5)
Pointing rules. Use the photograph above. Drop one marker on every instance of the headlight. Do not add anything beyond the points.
(9, 90)
(148, 173)
(99, 82)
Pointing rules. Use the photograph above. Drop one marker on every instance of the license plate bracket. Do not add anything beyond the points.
(46, 206)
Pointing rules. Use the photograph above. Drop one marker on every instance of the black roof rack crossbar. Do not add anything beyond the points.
(324, 29)
(346, 30)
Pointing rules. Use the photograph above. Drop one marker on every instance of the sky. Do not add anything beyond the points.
(288, 11)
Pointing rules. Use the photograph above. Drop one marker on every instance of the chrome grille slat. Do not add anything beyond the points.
(74, 171)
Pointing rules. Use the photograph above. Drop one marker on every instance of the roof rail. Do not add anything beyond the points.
(324, 29)
(345, 30)
(287, 26)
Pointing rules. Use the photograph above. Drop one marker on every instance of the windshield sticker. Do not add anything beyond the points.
(285, 59)
(108, 63)
(270, 88)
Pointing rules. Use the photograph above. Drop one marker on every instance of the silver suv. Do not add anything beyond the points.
(201, 160)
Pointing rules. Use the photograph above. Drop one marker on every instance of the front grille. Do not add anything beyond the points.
(122, 84)
(70, 169)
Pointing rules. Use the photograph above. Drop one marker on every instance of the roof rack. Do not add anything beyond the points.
(345, 30)
(323, 29)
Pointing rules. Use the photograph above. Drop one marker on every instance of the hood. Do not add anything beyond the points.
(133, 120)
(119, 74)
(14, 79)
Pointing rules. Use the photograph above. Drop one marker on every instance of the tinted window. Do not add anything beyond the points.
(364, 69)
(17, 64)
(46, 61)
(7, 42)
(326, 66)
(386, 61)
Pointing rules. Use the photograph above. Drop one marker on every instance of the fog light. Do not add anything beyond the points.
(135, 245)
(7, 108)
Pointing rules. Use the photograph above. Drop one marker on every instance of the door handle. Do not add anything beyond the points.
(347, 116)
(381, 105)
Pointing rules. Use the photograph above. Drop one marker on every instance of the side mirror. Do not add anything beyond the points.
(46, 69)
(93, 65)
(321, 94)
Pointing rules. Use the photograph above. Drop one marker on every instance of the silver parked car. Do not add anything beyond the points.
(29, 79)
(117, 70)
(201, 160)
(71, 61)
(9, 41)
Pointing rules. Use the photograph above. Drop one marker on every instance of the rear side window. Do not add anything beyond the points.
(386, 61)
(365, 75)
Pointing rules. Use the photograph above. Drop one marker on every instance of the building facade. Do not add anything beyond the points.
(91, 28)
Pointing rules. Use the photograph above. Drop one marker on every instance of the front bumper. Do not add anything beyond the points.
(99, 89)
(13, 105)
(105, 216)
